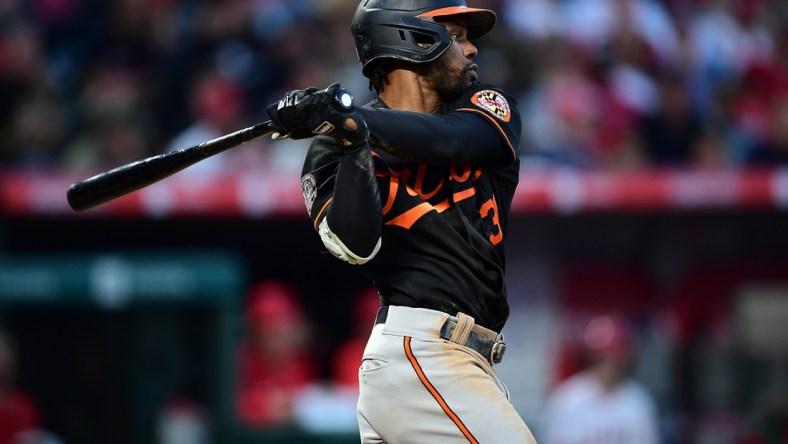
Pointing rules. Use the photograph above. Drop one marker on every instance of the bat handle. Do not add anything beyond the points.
(343, 100)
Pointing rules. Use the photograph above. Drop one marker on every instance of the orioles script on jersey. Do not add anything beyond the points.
(438, 194)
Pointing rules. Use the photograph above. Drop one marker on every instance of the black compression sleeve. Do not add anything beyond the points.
(454, 138)
(354, 214)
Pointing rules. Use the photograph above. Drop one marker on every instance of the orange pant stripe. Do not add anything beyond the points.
(434, 392)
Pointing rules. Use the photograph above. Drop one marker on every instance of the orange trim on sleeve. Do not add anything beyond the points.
(320, 213)
(408, 218)
(435, 394)
(492, 119)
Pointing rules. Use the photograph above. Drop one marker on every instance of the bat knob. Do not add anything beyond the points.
(343, 100)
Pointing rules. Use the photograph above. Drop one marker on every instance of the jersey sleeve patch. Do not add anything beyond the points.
(309, 190)
(494, 103)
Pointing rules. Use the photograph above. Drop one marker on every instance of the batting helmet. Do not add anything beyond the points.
(407, 30)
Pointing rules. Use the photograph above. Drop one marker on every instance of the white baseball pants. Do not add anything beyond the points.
(415, 387)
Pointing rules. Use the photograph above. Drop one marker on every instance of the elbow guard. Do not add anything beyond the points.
(338, 248)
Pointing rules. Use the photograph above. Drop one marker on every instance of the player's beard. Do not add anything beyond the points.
(448, 80)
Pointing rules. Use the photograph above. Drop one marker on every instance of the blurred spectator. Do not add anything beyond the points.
(347, 356)
(22, 60)
(533, 19)
(38, 437)
(773, 148)
(671, 132)
(725, 37)
(111, 143)
(592, 24)
(18, 411)
(331, 407)
(218, 106)
(182, 421)
(37, 128)
(601, 403)
(220, 20)
(710, 151)
(275, 359)
(112, 115)
(562, 111)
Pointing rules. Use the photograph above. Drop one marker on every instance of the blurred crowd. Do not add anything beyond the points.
(280, 380)
(90, 84)
(622, 83)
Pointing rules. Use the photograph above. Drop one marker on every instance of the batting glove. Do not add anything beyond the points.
(287, 121)
(304, 113)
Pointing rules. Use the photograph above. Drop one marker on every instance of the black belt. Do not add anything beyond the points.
(491, 349)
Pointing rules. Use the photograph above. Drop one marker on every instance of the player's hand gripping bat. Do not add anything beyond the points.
(131, 177)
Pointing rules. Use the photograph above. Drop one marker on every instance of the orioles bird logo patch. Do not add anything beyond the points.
(493, 102)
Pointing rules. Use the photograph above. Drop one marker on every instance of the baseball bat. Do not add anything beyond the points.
(131, 177)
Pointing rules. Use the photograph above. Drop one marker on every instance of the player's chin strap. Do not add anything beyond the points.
(462, 330)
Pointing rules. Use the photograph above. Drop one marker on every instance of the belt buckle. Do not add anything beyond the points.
(497, 350)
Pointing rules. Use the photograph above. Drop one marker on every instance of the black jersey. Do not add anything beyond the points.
(444, 220)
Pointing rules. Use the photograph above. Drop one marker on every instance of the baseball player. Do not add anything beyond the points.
(415, 189)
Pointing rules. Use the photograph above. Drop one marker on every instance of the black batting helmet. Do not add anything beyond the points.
(407, 30)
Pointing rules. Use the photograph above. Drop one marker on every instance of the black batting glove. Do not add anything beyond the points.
(351, 131)
(328, 115)
(348, 128)
(287, 120)
(303, 113)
